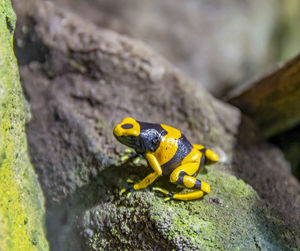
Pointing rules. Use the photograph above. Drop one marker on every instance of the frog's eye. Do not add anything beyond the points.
(155, 141)
(127, 126)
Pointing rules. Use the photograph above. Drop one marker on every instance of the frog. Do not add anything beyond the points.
(169, 153)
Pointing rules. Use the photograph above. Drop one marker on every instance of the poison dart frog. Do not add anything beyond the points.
(168, 152)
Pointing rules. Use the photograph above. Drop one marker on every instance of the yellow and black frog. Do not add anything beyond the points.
(169, 153)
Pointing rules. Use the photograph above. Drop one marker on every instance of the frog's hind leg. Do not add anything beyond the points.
(182, 175)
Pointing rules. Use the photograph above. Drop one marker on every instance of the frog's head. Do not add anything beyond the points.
(127, 132)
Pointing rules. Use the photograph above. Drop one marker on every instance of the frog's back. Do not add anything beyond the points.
(184, 147)
(173, 148)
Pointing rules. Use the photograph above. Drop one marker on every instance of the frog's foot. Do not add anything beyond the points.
(164, 191)
(128, 191)
(130, 155)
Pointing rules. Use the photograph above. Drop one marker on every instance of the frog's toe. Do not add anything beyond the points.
(128, 191)
(124, 158)
(137, 160)
(129, 181)
(164, 191)
(170, 197)
(158, 189)
(129, 155)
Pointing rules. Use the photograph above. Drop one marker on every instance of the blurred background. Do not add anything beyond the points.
(220, 44)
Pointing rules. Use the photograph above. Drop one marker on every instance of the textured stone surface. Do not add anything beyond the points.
(81, 81)
(21, 199)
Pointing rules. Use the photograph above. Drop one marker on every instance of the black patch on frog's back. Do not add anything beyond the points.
(146, 126)
(151, 135)
(184, 148)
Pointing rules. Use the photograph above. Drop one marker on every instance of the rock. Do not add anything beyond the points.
(85, 82)
(272, 101)
(218, 44)
(21, 198)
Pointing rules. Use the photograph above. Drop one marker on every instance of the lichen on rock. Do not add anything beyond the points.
(21, 199)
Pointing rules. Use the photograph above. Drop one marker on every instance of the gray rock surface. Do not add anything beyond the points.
(219, 44)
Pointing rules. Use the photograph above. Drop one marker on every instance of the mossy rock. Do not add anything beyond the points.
(232, 217)
(21, 199)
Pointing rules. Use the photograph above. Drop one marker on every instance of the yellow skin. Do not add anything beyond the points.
(168, 152)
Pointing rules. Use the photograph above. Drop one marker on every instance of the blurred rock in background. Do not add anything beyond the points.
(219, 44)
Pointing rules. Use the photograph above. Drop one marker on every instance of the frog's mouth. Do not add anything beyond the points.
(130, 141)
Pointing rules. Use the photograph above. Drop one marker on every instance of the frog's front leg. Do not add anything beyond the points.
(149, 179)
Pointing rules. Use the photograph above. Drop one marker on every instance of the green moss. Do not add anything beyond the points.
(231, 217)
(21, 199)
